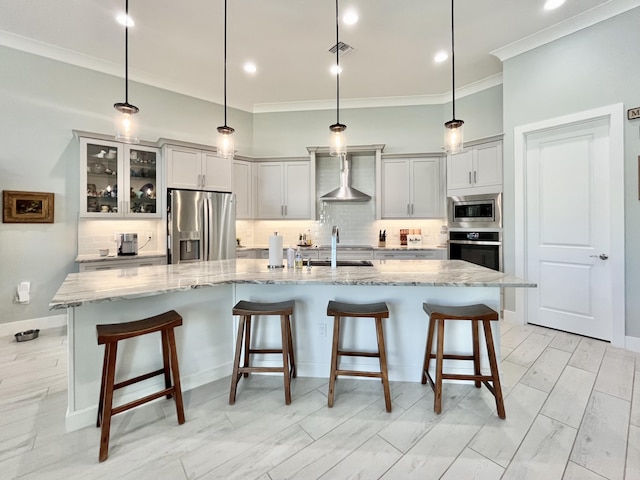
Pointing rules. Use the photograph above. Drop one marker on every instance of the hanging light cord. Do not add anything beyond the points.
(453, 67)
(337, 68)
(126, 52)
(225, 63)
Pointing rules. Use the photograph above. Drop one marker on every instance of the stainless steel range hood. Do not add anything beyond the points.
(345, 192)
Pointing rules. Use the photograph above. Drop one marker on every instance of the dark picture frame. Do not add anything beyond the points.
(27, 207)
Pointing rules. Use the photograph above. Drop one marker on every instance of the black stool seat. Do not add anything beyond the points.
(475, 314)
(378, 311)
(109, 335)
(246, 309)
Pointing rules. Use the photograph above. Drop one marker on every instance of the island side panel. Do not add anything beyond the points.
(204, 343)
(405, 330)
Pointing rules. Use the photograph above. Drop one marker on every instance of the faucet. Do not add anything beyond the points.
(335, 239)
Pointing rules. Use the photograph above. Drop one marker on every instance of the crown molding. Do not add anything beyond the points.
(348, 103)
(571, 25)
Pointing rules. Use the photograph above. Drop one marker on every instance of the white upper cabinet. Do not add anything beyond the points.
(411, 188)
(478, 169)
(283, 190)
(119, 180)
(243, 188)
(197, 169)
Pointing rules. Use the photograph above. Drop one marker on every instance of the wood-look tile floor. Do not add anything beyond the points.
(573, 412)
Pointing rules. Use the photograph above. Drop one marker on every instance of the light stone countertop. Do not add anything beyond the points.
(352, 247)
(119, 284)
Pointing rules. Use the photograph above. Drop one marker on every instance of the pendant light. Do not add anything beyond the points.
(225, 144)
(453, 137)
(337, 138)
(126, 123)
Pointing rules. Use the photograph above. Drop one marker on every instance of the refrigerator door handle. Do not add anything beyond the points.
(206, 204)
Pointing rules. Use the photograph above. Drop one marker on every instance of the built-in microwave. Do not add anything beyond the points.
(475, 211)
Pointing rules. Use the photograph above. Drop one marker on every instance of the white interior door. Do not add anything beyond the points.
(568, 228)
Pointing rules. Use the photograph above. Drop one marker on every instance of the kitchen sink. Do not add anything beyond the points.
(342, 263)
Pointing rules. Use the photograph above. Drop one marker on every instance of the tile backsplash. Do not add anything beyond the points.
(96, 234)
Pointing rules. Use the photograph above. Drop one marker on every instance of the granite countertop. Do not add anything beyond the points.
(113, 257)
(354, 247)
(120, 284)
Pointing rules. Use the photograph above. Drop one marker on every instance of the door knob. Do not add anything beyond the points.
(602, 256)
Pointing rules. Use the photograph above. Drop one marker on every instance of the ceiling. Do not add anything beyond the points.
(178, 45)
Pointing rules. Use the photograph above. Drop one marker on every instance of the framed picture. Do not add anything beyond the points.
(27, 207)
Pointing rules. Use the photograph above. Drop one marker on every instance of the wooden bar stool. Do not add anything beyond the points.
(245, 310)
(378, 311)
(475, 314)
(110, 335)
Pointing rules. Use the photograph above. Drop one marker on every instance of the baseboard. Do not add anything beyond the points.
(632, 343)
(53, 321)
(510, 316)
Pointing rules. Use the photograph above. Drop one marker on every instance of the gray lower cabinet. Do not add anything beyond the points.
(115, 264)
(435, 254)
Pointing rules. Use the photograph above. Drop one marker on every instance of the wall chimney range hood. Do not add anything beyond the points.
(345, 192)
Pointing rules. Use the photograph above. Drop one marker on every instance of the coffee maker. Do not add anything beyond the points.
(127, 244)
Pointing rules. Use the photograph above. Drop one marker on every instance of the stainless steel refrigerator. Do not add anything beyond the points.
(201, 226)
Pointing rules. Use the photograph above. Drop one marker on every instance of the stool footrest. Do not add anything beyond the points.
(260, 369)
(461, 376)
(265, 350)
(140, 378)
(358, 373)
(351, 353)
(142, 401)
(451, 356)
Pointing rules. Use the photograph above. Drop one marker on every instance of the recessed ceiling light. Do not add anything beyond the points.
(335, 69)
(250, 67)
(125, 20)
(350, 17)
(553, 4)
(440, 57)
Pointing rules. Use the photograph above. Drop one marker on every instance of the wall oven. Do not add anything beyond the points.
(482, 248)
(475, 211)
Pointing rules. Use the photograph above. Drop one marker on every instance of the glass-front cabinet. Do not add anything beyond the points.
(119, 180)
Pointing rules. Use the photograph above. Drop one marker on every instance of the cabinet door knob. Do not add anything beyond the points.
(469, 177)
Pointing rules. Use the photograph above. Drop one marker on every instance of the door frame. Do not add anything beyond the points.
(615, 115)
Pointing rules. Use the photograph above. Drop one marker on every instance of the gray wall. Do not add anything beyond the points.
(594, 67)
(41, 102)
(411, 129)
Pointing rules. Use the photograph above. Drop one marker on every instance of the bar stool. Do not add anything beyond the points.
(378, 311)
(475, 314)
(110, 335)
(245, 310)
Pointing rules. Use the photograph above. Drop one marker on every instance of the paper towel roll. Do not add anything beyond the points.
(275, 251)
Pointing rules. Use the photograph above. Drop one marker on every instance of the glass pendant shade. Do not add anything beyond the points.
(453, 136)
(126, 123)
(337, 140)
(225, 144)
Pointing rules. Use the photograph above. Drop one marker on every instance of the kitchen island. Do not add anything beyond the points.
(204, 294)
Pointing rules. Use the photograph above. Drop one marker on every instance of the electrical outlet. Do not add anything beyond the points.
(322, 330)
